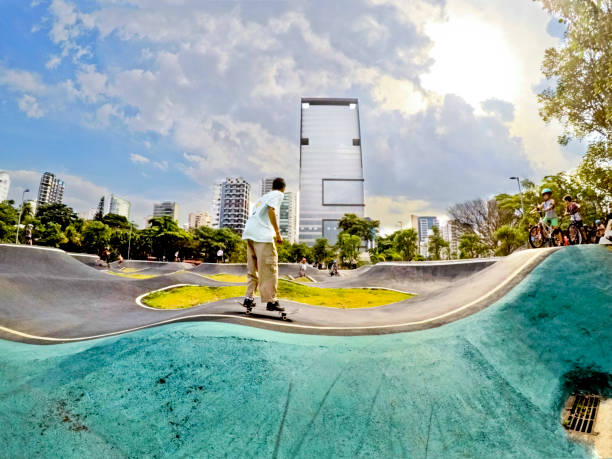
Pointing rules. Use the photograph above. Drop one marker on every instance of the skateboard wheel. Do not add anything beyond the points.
(284, 316)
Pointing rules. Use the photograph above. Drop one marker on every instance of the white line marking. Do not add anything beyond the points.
(287, 325)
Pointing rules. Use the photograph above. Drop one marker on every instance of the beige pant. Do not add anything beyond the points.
(262, 270)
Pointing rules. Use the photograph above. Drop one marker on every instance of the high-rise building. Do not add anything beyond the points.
(166, 209)
(287, 221)
(266, 185)
(199, 219)
(5, 183)
(451, 232)
(425, 229)
(51, 189)
(331, 168)
(231, 203)
(120, 206)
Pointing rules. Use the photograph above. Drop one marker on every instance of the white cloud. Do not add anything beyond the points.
(391, 210)
(22, 81)
(139, 159)
(29, 105)
(161, 165)
(53, 62)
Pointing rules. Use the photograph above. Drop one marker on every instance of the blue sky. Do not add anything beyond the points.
(157, 99)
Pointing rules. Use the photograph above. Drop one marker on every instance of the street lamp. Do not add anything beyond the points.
(20, 212)
(401, 224)
(130, 240)
(518, 181)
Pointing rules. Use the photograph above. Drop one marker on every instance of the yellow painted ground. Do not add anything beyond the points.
(131, 276)
(344, 298)
(235, 278)
(130, 270)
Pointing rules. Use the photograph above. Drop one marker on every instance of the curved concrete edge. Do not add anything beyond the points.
(274, 325)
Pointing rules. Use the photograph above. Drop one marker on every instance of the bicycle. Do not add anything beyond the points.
(574, 233)
(542, 233)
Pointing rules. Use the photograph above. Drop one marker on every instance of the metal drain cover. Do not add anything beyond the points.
(581, 415)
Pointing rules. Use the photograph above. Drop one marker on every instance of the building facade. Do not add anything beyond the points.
(120, 206)
(331, 167)
(424, 227)
(166, 209)
(232, 200)
(5, 184)
(451, 233)
(199, 219)
(287, 219)
(50, 190)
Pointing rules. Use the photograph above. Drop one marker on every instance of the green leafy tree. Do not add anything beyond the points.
(73, 239)
(8, 220)
(51, 235)
(322, 252)
(58, 213)
(95, 237)
(436, 244)
(471, 246)
(509, 239)
(405, 242)
(299, 251)
(362, 227)
(211, 240)
(167, 237)
(116, 221)
(581, 69)
(348, 248)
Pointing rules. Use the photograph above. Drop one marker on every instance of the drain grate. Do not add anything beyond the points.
(582, 414)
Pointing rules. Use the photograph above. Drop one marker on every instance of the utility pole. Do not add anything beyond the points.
(20, 212)
(518, 181)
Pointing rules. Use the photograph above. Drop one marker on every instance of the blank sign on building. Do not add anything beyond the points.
(343, 192)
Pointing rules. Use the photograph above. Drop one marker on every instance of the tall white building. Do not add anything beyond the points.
(231, 203)
(166, 209)
(50, 190)
(120, 206)
(287, 219)
(331, 167)
(451, 232)
(199, 219)
(5, 183)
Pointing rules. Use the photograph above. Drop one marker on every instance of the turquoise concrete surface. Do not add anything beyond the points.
(487, 386)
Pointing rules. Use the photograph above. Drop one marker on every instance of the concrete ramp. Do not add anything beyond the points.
(152, 267)
(284, 269)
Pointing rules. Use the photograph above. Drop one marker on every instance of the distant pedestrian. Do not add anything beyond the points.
(119, 259)
(303, 267)
(106, 257)
(28, 234)
(176, 256)
(220, 256)
(261, 232)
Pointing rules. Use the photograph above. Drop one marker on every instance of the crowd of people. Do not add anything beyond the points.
(599, 233)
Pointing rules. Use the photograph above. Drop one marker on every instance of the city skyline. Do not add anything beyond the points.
(80, 77)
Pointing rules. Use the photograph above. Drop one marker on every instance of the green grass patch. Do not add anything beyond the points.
(302, 279)
(189, 296)
(131, 275)
(235, 278)
(344, 298)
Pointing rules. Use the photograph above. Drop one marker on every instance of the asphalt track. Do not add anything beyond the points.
(47, 296)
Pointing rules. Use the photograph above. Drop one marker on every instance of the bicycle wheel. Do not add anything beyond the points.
(574, 234)
(535, 237)
(556, 238)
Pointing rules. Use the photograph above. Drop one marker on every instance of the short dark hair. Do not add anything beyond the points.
(279, 184)
(567, 197)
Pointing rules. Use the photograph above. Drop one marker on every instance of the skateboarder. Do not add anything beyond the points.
(260, 233)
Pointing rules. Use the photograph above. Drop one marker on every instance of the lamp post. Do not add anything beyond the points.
(401, 225)
(130, 240)
(520, 193)
(20, 212)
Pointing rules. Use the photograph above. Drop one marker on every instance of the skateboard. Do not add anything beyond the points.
(247, 312)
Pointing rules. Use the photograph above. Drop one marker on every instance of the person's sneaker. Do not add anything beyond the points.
(248, 303)
(274, 306)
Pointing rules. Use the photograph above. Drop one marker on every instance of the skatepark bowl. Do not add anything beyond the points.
(491, 384)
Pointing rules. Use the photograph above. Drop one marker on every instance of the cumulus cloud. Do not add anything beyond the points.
(221, 83)
(139, 159)
(29, 105)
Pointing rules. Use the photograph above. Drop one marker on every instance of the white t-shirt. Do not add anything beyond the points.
(258, 227)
